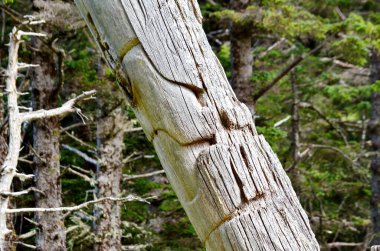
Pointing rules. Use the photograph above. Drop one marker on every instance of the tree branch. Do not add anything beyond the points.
(65, 129)
(75, 208)
(328, 120)
(81, 142)
(66, 108)
(282, 121)
(24, 177)
(27, 235)
(81, 154)
(343, 244)
(26, 245)
(145, 175)
(83, 176)
(20, 193)
(332, 148)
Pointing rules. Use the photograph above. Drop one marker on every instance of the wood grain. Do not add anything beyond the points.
(226, 176)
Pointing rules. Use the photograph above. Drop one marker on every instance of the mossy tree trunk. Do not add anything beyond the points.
(226, 176)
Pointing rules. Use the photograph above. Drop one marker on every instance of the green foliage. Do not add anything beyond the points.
(135, 212)
(289, 21)
(170, 205)
(376, 86)
(341, 95)
(229, 15)
(224, 57)
(262, 76)
(80, 64)
(351, 49)
(143, 186)
(272, 135)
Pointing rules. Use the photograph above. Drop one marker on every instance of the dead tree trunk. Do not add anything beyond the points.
(374, 133)
(45, 84)
(241, 57)
(8, 168)
(3, 153)
(109, 177)
(111, 127)
(226, 176)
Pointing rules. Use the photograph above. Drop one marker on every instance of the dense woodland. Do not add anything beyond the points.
(308, 70)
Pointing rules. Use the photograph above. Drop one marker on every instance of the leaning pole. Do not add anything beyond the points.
(230, 183)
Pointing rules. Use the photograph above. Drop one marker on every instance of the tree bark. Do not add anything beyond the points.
(226, 176)
(109, 177)
(46, 133)
(241, 60)
(241, 57)
(294, 174)
(111, 126)
(374, 133)
(295, 146)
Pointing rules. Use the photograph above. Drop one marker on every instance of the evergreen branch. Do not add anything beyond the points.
(285, 72)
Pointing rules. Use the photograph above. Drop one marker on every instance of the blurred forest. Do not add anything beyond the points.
(308, 70)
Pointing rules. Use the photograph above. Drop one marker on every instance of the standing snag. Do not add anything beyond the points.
(8, 169)
(16, 118)
(50, 234)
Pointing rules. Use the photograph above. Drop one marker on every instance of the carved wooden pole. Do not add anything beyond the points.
(226, 176)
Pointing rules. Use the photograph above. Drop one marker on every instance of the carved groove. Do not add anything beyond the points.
(127, 47)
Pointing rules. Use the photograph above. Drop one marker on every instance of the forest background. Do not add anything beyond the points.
(309, 71)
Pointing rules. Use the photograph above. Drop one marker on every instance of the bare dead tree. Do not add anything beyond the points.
(112, 125)
(16, 118)
(241, 55)
(46, 83)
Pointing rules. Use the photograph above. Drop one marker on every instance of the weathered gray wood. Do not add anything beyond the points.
(227, 178)
(8, 169)
(375, 248)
